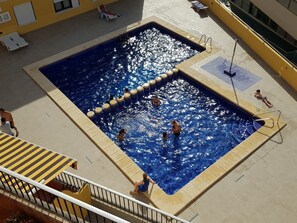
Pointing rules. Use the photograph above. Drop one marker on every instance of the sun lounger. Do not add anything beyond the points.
(9, 43)
(197, 6)
(106, 14)
(20, 41)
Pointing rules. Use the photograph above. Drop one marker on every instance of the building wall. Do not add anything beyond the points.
(281, 15)
(44, 13)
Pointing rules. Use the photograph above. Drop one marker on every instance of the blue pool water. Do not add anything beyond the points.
(210, 126)
(90, 77)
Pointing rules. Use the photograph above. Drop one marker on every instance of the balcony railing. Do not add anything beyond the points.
(120, 201)
(76, 210)
(67, 206)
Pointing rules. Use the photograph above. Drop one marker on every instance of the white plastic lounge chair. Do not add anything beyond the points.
(106, 15)
(197, 6)
(20, 41)
(9, 43)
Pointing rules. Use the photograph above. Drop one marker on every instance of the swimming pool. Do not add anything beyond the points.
(90, 77)
(182, 198)
(210, 128)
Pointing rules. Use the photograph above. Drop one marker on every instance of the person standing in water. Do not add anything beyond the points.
(176, 128)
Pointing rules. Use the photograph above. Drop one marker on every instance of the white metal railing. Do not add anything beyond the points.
(10, 179)
(205, 41)
(120, 201)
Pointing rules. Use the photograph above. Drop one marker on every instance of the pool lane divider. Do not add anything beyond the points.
(135, 94)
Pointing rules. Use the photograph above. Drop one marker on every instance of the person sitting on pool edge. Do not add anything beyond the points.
(143, 185)
(121, 135)
(176, 128)
(259, 96)
(155, 100)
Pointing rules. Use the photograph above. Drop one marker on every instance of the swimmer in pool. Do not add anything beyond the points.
(176, 128)
(121, 135)
(155, 100)
(164, 136)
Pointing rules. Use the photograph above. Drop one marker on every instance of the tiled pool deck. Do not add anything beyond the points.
(263, 188)
(181, 199)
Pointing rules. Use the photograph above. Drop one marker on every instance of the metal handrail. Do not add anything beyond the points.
(206, 40)
(202, 37)
(267, 118)
(66, 198)
(210, 44)
(263, 119)
(112, 197)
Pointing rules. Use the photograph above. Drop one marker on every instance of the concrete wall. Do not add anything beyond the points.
(279, 14)
(274, 60)
(44, 12)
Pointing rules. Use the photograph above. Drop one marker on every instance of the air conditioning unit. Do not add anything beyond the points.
(4, 17)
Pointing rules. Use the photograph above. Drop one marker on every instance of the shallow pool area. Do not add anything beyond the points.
(210, 128)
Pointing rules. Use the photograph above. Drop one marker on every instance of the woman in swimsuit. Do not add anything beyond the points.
(259, 96)
(143, 185)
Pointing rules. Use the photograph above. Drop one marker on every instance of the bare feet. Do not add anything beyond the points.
(133, 192)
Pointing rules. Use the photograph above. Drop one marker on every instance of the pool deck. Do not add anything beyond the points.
(263, 188)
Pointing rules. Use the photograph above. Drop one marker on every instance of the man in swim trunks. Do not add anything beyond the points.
(155, 100)
(259, 96)
(143, 185)
(8, 117)
(121, 135)
(176, 128)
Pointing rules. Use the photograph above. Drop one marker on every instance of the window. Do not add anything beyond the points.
(293, 7)
(62, 5)
(290, 38)
(280, 31)
(273, 25)
(253, 10)
(261, 16)
(284, 2)
(246, 5)
(238, 2)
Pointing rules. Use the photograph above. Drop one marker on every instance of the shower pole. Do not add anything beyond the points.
(229, 72)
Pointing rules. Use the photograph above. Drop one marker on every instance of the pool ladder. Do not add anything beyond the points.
(264, 119)
(205, 41)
